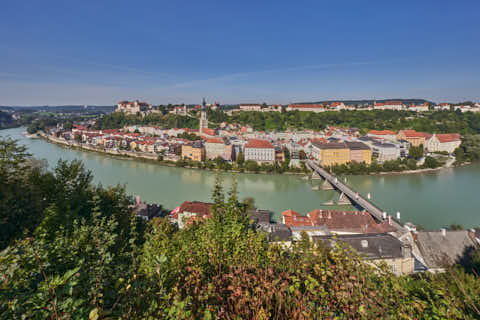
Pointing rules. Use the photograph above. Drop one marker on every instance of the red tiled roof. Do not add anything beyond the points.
(389, 103)
(447, 137)
(294, 219)
(200, 208)
(214, 140)
(257, 143)
(349, 221)
(381, 132)
(413, 134)
(210, 132)
(319, 106)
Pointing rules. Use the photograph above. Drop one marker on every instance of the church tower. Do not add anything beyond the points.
(203, 117)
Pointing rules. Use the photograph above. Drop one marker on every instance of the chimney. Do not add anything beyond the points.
(415, 235)
(471, 234)
(138, 200)
(444, 231)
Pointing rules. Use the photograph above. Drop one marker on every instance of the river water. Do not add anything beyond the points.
(433, 199)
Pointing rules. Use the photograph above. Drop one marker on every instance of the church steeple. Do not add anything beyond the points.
(203, 116)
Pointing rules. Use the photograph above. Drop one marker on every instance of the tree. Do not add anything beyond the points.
(431, 162)
(416, 152)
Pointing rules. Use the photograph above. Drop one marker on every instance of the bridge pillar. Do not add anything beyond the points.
(344, 199)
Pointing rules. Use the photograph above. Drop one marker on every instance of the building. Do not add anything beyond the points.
(359, 152)
(388, 105)
(415, 138)
(441, 249)
(306, 107)
(216, 147)
(195, 151)
(385, 151)
(259, 150)
(133, 107)
(250, 107)
(383, 134)
(447, 142)
(419, 108)
(375, 248)
(203, 117)
(348, 222)
(188, 212)
(332, 153)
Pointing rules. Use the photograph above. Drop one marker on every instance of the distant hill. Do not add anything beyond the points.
(66, 108)
(351, 102)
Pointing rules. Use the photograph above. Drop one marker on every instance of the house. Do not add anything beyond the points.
(194, 151)
(383, 134)
(415, 138)
(446, 142)
(359, 152)
(306, 107)
(259, 150)
(189, 211)
(331, 153)
(441, 249)
(375, 248)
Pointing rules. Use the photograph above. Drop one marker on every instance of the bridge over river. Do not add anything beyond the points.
(353, 196)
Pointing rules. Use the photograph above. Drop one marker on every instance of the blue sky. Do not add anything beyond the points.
(99, 52)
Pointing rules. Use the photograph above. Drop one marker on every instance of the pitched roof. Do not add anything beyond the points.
(330, 145)
(356, 145)
(381, 132)
(447, 137)
(440, 250)
(370, 246)
(257, 143)
(413, 134)
(348, 221)
(294, 219)
(214, 140)
(200, 208)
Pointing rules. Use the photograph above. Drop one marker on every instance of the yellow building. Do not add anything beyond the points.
(414, 137)
(195, 152)
(329, 154)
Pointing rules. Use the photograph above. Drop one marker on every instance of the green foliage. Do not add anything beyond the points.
(416, 152)
(119, 120)
(435, 121)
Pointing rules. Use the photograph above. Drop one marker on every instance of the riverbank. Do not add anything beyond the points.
(144, 157)
(124, 154)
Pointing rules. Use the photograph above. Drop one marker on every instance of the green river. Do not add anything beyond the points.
(433, 199)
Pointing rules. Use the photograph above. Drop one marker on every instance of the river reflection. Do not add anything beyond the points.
(431, 199)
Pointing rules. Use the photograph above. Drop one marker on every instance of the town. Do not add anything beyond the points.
(229, 144)
(378, 237)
